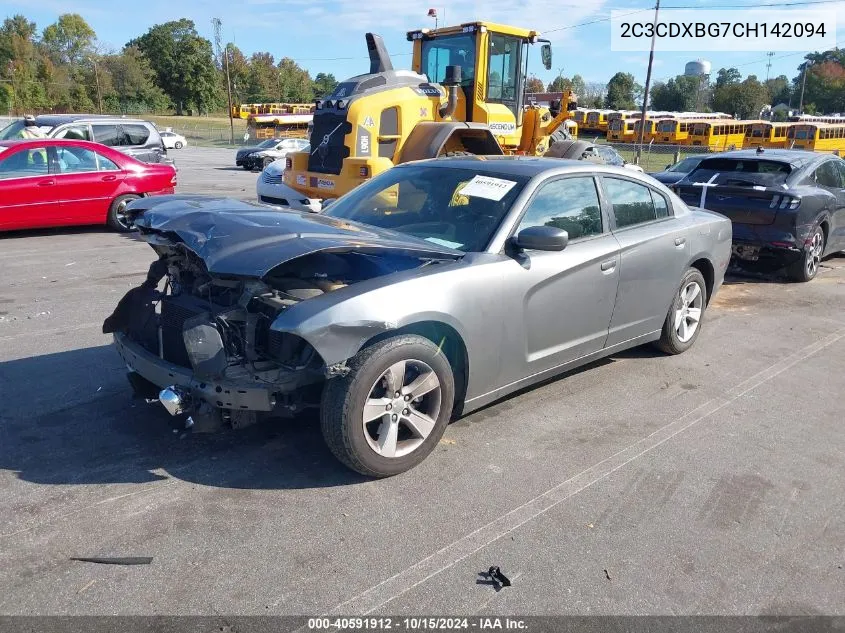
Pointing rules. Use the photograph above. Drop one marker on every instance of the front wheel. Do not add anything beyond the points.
(683, 322)
(178, 145)
(807, 267)
(389, 412)
(117, 218)
(266, 162)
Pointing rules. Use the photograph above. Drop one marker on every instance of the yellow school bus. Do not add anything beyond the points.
(580, 117)
(622, 130)
(596, 121)
(241, 111)
(766, 134)
(816, 137)
(717, 135)
(674, 131)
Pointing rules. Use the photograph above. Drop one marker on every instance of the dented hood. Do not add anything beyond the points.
(238, 238)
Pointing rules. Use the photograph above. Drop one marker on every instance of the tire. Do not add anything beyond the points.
(247, 166)
(806, 268)
(358, 444)
(266, 162)
(676, 337)
(116, 219)
(178, 145)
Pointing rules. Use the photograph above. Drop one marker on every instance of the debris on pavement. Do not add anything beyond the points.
(607, 575)
(493, 577)
(124, 560)
(86, 587)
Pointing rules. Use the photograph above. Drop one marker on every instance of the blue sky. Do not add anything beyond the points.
(328, 35)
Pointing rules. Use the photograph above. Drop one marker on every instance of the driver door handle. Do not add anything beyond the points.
(680, 241)
(109, 178)
(608, 266)
(47, 183)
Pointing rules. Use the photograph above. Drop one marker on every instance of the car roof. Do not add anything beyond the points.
(42, 142)
(793, 157)
(55, 120)
(528, 166)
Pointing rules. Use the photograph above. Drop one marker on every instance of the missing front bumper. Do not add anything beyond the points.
(235, 395)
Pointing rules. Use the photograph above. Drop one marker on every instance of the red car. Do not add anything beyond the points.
(55, 182)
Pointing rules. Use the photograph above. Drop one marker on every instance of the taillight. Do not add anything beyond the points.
(784, 202)
(288, 163)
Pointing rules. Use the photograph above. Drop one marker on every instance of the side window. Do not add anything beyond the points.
(828, 176)
(106, 164)
(135, 134)
(76, 160)
(28, 162)
(76, 132)
(571, 204)
(388, 132)
(632, 202)
(840, 167)
(661, 207)
(503, 62)
(106, 134)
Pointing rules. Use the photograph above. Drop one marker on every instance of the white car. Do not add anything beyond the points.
(271, 190)
(173, 140)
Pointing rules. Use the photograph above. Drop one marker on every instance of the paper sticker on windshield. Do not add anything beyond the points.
(446, 243)
(487, 187)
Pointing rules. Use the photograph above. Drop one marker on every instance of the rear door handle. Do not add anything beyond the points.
(46, 183)
(109, 178)
(680, 241)
(609, 265)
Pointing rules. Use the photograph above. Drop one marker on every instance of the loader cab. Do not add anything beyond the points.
(493, 60)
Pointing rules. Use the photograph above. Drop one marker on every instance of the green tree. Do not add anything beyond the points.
(825, 86)
(129, 82)
(20, 60)
(743, 99)
(578, 85)
(675, 95)
(324, 85)
(295, 82)
(238, 74)
(534, 84)
(69, 40)
(183, 64)
(263, 83)
(727, 76)
(779, 90)
(621, 90)
(560, 84)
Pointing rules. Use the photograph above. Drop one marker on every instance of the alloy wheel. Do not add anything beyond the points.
(402, 408)
(813, 257)
(688, 314)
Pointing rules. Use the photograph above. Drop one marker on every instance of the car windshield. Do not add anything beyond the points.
(14, 130)
(685, 166)
(270, 142)
(455, 207)
(741, 172)
(610, 155)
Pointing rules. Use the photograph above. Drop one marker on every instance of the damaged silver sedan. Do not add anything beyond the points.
(426, 293)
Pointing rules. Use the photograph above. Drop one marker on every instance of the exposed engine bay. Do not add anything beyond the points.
(219, 326)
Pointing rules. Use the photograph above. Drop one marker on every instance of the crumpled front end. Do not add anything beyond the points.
(201, 340)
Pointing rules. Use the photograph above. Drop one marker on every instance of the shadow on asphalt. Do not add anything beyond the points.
(112, 438)
(59, 230)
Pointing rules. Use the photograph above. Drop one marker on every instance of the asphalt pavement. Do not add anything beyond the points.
(705, 483)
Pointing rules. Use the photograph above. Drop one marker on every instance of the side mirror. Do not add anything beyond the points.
(546, 56)
(541, 238)
(669, 166)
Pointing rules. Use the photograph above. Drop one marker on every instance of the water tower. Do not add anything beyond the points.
(699, 68)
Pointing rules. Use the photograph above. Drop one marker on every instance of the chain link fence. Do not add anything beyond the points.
(653, 157)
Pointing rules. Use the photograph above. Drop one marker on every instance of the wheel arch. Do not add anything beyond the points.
(448, 340)
(430, 139)
(705, 267)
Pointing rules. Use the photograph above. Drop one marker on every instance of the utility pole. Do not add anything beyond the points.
(648, 80)
(218, 40)
(770, 54)
(803, 83)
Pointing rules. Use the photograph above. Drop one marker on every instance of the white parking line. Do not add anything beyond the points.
(453, 553)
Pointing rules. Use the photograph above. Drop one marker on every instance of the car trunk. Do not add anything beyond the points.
(742, 204)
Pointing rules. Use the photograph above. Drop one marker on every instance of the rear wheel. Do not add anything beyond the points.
(266, 162)
(807, 267)
(683, 322)
(389, 412)
(177, 145)
(117, 218)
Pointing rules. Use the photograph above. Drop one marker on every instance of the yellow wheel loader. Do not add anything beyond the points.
(465, 94)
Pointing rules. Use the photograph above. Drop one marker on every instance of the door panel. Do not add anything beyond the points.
(653, 251)
(86, 184)
(27, 190)
(836, 239)
(565, 297)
